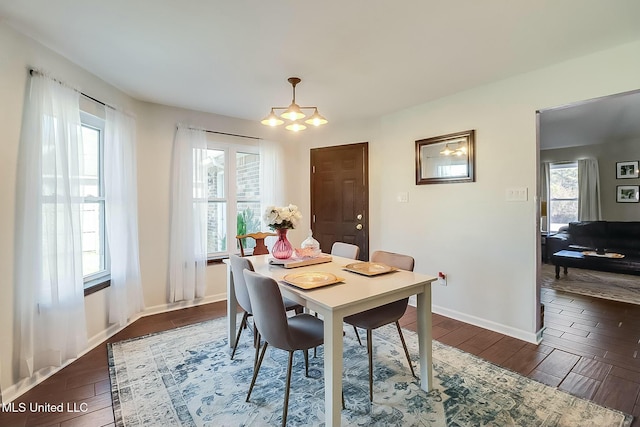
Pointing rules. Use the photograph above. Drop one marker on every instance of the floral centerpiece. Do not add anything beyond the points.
(281, 219)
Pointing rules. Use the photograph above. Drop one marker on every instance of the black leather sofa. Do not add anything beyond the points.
(611, 236)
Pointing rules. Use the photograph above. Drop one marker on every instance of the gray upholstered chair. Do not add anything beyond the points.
(386, 314)
(299, 332)
(238, 265)
(345, 250)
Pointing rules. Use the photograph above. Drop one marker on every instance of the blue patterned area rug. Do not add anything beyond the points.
(184, 377)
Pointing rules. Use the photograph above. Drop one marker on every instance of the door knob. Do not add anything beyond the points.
(359, 217)
(359, 227)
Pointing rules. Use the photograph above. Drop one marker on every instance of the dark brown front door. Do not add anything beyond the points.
(340, 196)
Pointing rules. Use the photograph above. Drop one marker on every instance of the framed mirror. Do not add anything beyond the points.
(446, 158)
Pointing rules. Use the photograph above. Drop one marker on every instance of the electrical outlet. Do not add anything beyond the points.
(442, 279)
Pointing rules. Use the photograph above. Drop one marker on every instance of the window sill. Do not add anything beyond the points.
(97, 285)
(217, 259)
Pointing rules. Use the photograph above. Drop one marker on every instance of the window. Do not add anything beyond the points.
(563, 194)
(95, 257)
(233, 204)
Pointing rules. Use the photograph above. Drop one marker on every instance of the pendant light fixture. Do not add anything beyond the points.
(294, 113)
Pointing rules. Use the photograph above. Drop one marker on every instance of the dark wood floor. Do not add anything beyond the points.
(590, 349)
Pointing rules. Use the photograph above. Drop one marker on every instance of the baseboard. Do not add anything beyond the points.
(16, 390)
(487, 324)
(164, 308)
(150, 311)
(534, 338)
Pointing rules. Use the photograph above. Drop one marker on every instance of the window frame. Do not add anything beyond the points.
(101, 279)
(230, 149)
(552, 167)
(224, 199)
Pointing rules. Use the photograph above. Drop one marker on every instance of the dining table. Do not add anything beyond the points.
(353, 293)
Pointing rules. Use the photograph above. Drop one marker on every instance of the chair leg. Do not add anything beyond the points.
(285, 408)
(306, 363)
(242, 323)
(257, 346)
(257, 368)
(357, 335)
(256, 340)
(406, 352)
(370, 351)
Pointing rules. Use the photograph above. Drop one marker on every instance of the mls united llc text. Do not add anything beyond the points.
(44, 407)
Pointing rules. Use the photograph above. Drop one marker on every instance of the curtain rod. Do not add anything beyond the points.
(32, 71)
(228, 134)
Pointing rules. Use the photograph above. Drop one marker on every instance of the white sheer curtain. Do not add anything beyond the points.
(188, 240)
(271, 179)
(121, 204)
(51, 325)
(588, 190)
(271, 174)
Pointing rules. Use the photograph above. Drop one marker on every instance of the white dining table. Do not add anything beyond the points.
(356, 293)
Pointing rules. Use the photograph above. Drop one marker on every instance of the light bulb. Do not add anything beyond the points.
(293, 112)
(316, 119)
(272, 119)
(295, 127)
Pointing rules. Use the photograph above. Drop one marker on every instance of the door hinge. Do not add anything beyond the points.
(314, 218)
(313, 169)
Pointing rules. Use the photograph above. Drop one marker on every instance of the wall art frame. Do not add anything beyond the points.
(628, 170)
(628, 193)
(446, 158)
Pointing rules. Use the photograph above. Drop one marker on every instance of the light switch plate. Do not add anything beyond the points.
(517, 194)
(403, 197)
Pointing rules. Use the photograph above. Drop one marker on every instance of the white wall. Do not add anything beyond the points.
(486, 245)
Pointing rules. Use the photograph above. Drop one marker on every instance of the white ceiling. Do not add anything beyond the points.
(357, 58)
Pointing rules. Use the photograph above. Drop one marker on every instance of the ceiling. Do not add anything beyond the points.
(357, 59)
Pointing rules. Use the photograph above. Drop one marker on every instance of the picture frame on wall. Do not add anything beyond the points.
(446, 158)
(628, 193)
(626, 170)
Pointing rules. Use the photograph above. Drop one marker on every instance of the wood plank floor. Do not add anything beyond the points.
(590, 349)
